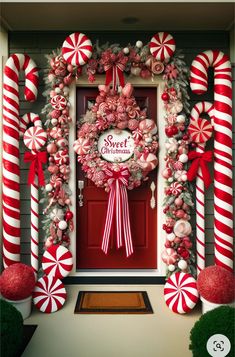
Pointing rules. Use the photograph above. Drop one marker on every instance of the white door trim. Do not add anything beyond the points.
(160, 271)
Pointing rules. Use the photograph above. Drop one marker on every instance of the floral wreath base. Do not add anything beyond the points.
(118, 112)
(140, 61)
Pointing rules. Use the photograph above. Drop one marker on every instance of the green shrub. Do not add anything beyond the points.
(218, 321)
(11, 329)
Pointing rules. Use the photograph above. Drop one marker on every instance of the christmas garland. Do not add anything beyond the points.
(137, 61)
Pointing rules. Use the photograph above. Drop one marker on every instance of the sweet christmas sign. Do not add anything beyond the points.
(116, 145)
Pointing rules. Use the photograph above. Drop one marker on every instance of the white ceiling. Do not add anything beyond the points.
(109, 16)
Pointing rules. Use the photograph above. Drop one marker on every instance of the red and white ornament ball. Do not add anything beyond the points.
(57, 261)
(49, 294)
(180, 293)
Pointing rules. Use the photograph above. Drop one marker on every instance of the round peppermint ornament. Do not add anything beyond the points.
(49, 294)
(77, 49)
(58, 102)
(57, 261)
(200, 130)
(162, 46)
(180, 292)
(35, 138)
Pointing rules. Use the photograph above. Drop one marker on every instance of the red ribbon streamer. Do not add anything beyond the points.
(118, 180)
(200, 160)
(35, 168)
(114, 72)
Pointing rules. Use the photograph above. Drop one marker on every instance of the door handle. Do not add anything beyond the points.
(152, 200)
(80, 196)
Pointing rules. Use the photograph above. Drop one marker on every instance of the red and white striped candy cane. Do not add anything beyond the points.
(34, 139)
(24, 122)
(29, 118)
(197, 110)
(223, 206)
(11, 172)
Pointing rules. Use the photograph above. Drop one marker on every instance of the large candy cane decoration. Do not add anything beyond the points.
(223, 208)
(36, 142)
(200, 136)
(11, 172)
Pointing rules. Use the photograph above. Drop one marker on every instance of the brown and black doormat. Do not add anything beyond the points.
(113, 302)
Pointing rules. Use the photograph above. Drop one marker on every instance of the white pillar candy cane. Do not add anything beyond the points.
(35, 138)
(11, 172)
(200, 135)
(223, 206)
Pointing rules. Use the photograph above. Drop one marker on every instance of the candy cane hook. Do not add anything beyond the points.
(11, 171)
(223, 206)
(200, 136)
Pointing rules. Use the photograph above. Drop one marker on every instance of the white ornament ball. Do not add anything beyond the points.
(170, 237)
(54, 121)
(48, 187)
(182, 264)
(171, 267)
(170, 179)
(148, 140)
(139, 44)
(180, 119)
(126, 50)
(184, 178)
(62, 225)
(183, 158)
(57, 90)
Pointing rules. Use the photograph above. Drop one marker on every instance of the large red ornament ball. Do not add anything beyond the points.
(68, 215)
(17, 282)
(216, 284)
(165, 96)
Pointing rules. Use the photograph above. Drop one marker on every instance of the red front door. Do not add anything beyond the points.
(91, 216)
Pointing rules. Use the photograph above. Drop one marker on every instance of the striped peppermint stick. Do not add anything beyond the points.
(223, 208)
(11, 172)
(200, 135)
(34, 139)
(34, 224)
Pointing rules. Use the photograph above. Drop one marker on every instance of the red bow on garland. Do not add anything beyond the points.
(118, 180)
(114, 66)
(35, 168)
(200, 160)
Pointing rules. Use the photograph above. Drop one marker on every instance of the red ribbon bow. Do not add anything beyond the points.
(200, 160)
(114, 72)
(118, 180)
(35, 168)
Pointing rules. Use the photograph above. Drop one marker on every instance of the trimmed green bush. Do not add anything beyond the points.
(218, 321)
(11, 329)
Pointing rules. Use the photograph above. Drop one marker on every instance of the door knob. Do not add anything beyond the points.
(80, 196)
(152, 200)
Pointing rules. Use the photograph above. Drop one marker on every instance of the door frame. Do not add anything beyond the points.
(145, 274)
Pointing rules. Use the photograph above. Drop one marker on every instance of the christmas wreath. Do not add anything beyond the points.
(112, 113)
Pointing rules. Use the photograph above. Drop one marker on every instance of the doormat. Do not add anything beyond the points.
(113, 302)
(28, 331)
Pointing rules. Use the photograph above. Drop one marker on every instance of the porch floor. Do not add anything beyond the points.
(64, 334)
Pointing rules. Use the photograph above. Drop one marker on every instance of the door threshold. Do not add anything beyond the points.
(108, 280)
